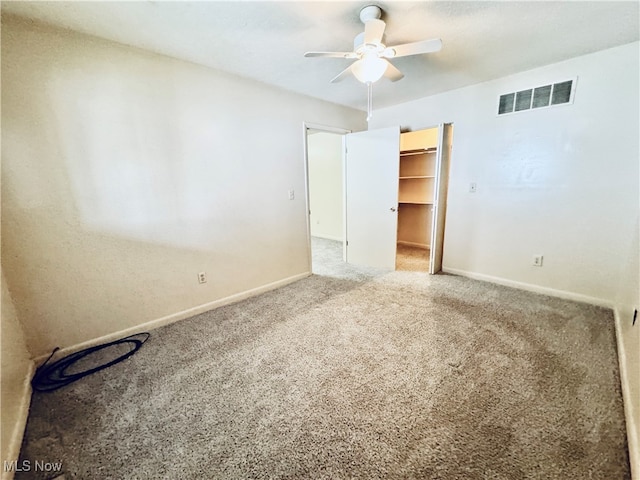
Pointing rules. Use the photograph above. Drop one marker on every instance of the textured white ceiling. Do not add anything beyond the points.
(266, 40)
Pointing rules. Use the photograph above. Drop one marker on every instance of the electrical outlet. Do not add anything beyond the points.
(537, 261)
(292, 194)
(202, 277)
(473, 187)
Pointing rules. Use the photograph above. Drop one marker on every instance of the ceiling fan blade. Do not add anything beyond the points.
(331, 54)
(373, 31)
(392, 73)
(342, 75)
(415, 48)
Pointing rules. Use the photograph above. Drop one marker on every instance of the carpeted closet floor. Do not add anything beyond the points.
(412, 259)
(352, 373)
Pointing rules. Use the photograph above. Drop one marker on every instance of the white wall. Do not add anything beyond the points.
(629, 345)
(15, 376)
(126, 173)
(560, 181)
(325, 185)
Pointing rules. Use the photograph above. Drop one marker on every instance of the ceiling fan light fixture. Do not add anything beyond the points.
(369, 68)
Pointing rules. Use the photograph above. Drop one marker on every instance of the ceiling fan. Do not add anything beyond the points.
(372, 55)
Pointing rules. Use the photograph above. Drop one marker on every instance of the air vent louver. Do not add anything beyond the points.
(541, 96)
(506, 103)
(538, 97)
(523, 100)
(561, 93)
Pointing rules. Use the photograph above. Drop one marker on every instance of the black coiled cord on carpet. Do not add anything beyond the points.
(53, 376)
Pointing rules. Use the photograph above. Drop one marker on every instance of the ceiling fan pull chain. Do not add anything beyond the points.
(369, 100)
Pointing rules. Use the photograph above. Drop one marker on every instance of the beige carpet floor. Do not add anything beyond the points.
(352, 373)
(412, 259)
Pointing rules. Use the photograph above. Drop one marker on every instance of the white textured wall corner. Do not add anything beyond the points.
(628, 336)
(560, 181)
(325, 185)
(16, 372)
(126, 173)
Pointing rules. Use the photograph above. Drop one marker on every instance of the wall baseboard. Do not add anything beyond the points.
(633, 442)
(577, 297)
(328, 237)
(175, 317)
(20, 424)
(424, 246)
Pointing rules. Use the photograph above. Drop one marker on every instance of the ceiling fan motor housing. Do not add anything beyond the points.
(360, 47)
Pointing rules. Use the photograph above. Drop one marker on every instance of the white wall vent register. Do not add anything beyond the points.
(545, 96)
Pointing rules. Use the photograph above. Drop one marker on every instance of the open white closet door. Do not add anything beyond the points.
(372, 197)
(445, 133)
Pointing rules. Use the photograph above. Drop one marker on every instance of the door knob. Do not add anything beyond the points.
(392, 209)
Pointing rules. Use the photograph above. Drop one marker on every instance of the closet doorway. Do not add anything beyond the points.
(422, 197)
(325, 171)
(396, 188)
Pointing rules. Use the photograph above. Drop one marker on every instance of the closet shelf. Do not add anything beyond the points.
(409, 177)
(407, 153)
(411, 202)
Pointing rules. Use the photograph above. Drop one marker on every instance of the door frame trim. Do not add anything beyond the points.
(306, 126)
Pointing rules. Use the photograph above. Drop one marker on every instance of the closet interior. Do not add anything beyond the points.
(420, 178)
